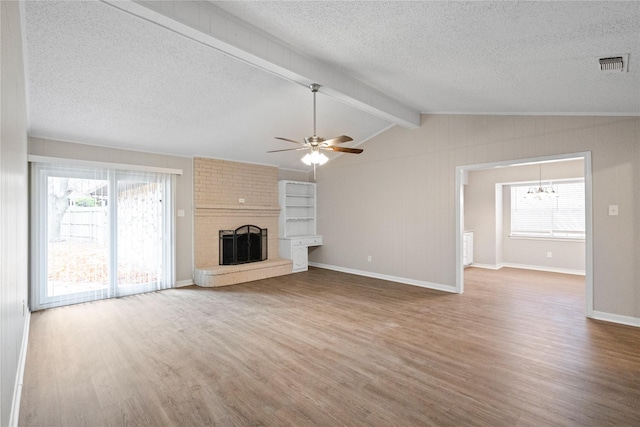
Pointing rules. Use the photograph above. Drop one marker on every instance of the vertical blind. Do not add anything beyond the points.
(561, 215)
(99, 233)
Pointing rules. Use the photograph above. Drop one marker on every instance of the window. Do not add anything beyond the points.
(99, 233)
(559, 216)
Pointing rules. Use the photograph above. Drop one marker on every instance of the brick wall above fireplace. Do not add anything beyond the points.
(228, 195)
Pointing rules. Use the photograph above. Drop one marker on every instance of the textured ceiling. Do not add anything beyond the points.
(99, 75)
(475, 57)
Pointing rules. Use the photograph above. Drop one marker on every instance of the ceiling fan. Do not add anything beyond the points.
(315, 143)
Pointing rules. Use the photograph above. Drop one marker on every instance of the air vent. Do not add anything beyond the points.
(614, 64)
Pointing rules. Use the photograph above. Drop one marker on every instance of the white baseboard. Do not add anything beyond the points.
(616, 318)
(486, 266)
(403, 280)
(22, 360)
(530, 267)
(183, 283)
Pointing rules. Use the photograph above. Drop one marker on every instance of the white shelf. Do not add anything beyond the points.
(298, 208)
(297, 225)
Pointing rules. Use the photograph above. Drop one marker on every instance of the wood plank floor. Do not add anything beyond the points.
(328, 349)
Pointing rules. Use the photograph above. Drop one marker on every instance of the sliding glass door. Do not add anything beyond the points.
(98, 234)
(76, 239)
(141, 254)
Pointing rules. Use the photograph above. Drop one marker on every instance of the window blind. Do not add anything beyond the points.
(559, 216)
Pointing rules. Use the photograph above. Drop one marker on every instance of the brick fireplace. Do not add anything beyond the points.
(228, 195)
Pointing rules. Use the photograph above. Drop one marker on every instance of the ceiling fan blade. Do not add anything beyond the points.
(337, 140)
(289, 140)
(345, 149)
(288, 149)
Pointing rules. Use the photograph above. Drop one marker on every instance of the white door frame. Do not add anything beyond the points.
(586, 156)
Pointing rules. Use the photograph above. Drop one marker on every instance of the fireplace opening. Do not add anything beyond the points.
(243, 245)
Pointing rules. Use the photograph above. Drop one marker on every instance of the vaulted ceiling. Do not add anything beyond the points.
(221, 79)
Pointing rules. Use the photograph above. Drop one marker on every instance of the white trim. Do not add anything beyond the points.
(530, 113)
(461, 177)
(183, 283)
(616, 318)
(588, 230)
(22, 360)
(106, 165)
(487, 266)
(550, 239)
(403, 280)
(578, 180)
(530, 267)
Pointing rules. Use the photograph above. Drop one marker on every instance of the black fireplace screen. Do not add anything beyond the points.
(242, 245)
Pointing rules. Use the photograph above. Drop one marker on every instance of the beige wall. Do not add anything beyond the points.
(289, 175)
(184, 186)
(492, 244)
(396, 201)
(14, 234)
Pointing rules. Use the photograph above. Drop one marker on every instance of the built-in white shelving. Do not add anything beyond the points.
(297, 226)
(297, 208)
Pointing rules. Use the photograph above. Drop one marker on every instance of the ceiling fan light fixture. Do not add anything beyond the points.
(316, 143)
(315, 158)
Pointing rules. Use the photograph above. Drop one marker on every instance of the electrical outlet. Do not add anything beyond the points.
(240, 200)
(549, 254)
(613, 210)
(369, 258)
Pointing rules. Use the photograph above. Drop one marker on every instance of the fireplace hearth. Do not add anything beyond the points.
(243, 245)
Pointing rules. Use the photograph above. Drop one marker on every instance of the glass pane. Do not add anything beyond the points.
(78, 230)
(140, 230)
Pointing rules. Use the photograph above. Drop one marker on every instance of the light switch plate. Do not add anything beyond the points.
(613, 210)
(180, 212)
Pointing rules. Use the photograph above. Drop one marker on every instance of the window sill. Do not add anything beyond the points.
(553, 239)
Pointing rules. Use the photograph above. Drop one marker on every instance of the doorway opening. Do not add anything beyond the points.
(461, 175)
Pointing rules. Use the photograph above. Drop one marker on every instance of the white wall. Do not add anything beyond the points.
(184, 186)
(490, 219)
(13, 206)
(396, 201)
